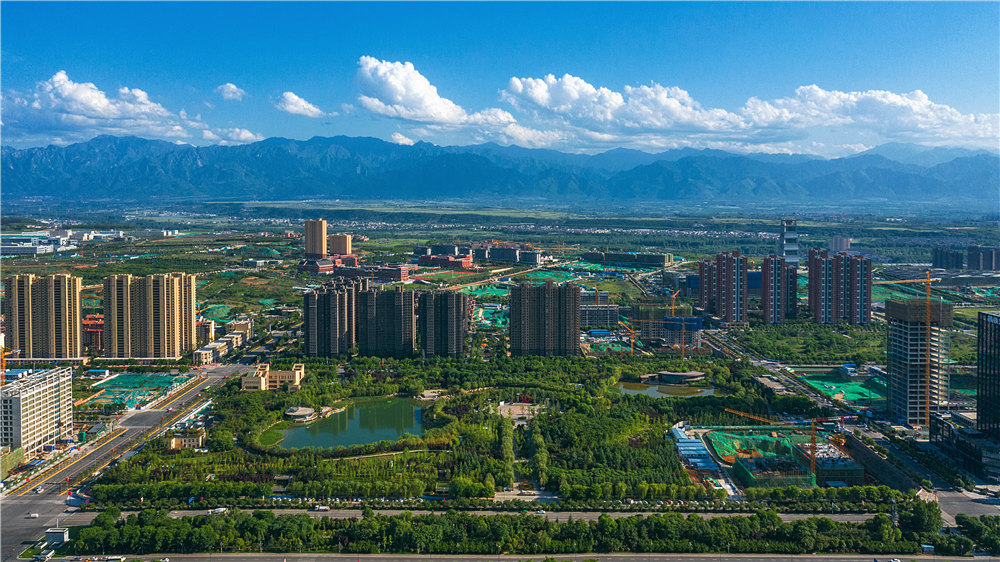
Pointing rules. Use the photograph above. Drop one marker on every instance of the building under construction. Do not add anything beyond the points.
(833, 466)
(917, 358)
(772, 472)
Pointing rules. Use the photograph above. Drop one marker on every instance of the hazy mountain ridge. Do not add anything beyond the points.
(131, 168)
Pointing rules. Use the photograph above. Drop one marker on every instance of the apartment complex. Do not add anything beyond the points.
(945, 258)
(385, 322)
(723, 286)
(779, 289)
(983, 258)
(329, 315)
(988, 374)
(443, 318)
(840, 287)
(37, 410)
(916, 392)
(545, 319)
(340, 244)
(315, 239)
(151, 316)
(42, 316)
(839, 244)
(263, 378)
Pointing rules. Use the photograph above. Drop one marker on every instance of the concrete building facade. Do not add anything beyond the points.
(913, 396)
(840, 287)
(789, 242)
(340, 244)
(779, 290)
(545, 319)
(263, 378)
(151, 316)
(37, 410)
(329, 317)
(731, 287)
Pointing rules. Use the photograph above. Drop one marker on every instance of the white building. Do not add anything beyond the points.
(37, 410)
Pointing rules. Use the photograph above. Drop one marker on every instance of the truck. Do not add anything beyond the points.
(321, 508)
(217, 511)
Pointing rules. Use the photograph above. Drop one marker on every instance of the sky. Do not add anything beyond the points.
(821, 78)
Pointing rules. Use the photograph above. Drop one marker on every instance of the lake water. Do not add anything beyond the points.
(360, 423)
(662, 390)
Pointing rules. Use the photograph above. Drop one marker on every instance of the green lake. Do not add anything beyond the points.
(360, 423)
(661, 390)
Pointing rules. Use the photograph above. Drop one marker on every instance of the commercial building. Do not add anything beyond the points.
(789, 242)
(592, 297)
(915, 393)
(840, 287)
(839, 244)
(946, 258)
(385, 322)
(972, 449)
(190, 439)
(93, 331)
(37, 411)
(449, 261)
(779, 290)
(988, 374)
(983, 258)
(599, 314)
(443, 318)
(545, 319)
(328, 321)
(151, 316)
(629, 259)
(315, 239)
(42, 316)
(340, 244)
(263, 378)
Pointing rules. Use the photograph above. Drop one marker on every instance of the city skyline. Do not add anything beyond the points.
(577, 78)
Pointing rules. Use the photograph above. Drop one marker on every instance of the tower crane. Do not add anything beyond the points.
(927, 367)
(4, 352)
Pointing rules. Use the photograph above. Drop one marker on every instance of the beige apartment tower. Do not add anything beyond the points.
(340, 244)
(43, 317)
(150, 317)
(315, 239)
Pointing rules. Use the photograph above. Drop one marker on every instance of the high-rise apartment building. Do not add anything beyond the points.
(545, 319)
(916, 391)
(329, 316)
(731, 287)
(385, 322)
(789, 242)
(340, 244)
(988, 374)
(839, 244)
(706, 285)
(840, 287)
(151, 316)
(946, 258)
(983, 258)
(37, 410)
(443, 321)
(43, 316)
(778, 290)
(315, 239)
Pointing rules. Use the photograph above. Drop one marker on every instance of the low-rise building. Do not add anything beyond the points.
(190, 439)
(955, 434)
(263, 378)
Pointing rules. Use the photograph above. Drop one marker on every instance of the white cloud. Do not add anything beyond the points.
(400, 138)
(61, 111)
(399, 90)
(291, 103)
(230, 91)
(230, 136)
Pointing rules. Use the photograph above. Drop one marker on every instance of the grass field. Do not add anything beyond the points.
(444, 275)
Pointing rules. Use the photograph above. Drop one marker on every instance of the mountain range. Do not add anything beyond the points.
(136, 169)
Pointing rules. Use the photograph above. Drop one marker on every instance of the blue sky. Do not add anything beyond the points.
(824, 78)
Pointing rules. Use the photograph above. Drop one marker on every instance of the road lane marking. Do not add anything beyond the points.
(56, 470)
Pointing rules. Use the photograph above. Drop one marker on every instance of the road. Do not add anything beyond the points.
(84, 518)
(617, 557)
(15, 526)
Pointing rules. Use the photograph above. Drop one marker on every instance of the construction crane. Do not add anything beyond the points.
(927, 367)
(4, 352)
(631, 338)
(673, 312)
(812, 429)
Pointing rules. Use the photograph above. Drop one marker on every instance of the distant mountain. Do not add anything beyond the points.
(135, 169)
(920, 155)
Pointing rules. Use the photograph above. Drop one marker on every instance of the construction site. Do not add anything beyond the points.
(131, 390)
(796, 453)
